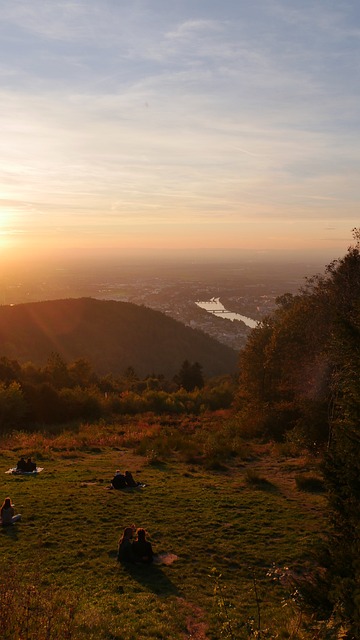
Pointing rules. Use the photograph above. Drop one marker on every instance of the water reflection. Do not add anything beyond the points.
(215, 307)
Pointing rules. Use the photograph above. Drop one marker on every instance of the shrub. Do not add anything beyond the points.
(310, 483)
(253, 478)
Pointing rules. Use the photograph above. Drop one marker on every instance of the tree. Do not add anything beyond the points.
(56, 371)
(81, 373)
(301, 367)
(44, 404)
(283, 370)
(190, 376)
(12, 405)
(10, 370)
(342, 465)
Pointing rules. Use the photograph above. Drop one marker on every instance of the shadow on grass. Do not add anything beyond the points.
(309, 484)
(256, 481)
(151, 577)
(22, 478)
(160, 465)
(266, 485)
(10, 531)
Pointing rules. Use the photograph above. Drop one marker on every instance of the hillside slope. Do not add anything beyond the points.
(111, 335)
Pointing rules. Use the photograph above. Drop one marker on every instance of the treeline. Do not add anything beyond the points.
(60, 392)
(301, 362)
(300, 380)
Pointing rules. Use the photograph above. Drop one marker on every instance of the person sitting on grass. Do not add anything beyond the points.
(130, 482)
(125, 551)
(141, 548)
(21, 465)
(118, 481)
(30, 465)
(7, 513)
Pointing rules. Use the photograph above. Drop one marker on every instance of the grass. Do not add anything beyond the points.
(71, 522)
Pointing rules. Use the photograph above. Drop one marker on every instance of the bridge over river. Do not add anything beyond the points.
(215, 307)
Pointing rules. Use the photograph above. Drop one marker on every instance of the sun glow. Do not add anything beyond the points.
(5, 234)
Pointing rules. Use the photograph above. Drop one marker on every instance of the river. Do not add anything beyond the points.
(215, 307)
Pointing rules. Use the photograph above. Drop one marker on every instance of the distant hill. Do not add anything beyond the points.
(111, 335)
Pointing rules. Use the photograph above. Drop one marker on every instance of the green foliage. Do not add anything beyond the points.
(61, 393)
(81, 373)
(9, 370)
(56, 371)
(218, 394)
(294, 624)
(12, 405)
(292, 366)
(342, 467)
(81, 404)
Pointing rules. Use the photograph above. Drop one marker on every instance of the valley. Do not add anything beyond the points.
(248, 289)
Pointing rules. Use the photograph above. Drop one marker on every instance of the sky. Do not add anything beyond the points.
(167, 127)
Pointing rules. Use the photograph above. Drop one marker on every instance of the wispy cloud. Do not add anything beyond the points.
(121, 113)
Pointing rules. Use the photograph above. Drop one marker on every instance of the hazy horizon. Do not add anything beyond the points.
(83, 260)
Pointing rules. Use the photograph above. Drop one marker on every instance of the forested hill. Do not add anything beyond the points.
(111, 335)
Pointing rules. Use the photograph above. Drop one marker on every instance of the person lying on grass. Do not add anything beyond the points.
(7, 513)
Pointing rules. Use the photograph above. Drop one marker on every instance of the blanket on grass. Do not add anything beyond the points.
(165, 558)
(17, 472)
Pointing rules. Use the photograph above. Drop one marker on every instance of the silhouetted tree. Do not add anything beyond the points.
(301, 368)
(284, 367)
(81, 373)
(10, 370)
(56, 371)
(341, 288)
(44, 404)
(12, 406)
(190, 376)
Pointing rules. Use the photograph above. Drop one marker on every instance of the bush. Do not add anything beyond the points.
(253, 478)
(310, 483)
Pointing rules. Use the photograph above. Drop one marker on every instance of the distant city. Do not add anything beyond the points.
(248, 290)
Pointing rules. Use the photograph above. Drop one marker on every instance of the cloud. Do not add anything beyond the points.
(58, 20)
(120, 113)
(191, 28)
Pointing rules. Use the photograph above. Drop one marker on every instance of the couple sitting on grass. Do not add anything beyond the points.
(7, 513)
(140, 550)
(26, 465)
(123, 480)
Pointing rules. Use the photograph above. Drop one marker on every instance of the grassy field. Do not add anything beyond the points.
(239, 521)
